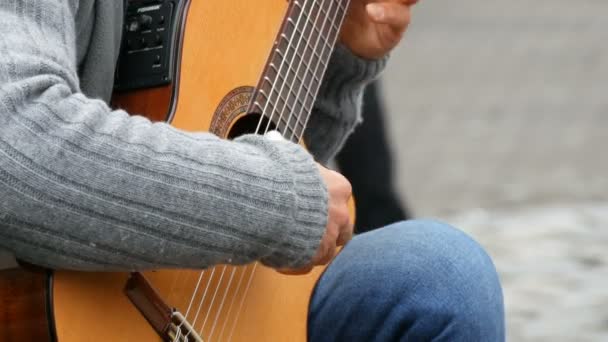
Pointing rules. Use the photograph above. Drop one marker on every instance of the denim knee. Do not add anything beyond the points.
(454, 276)
(437, 268)
(414, 280)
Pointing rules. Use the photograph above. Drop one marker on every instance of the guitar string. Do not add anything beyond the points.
(236, 291)
(289, 63)
(286, 63)
(277, 49)
(338, 14)
(211, 276)
(198, 310)
(303, 111)
(295, 77)
(178, 332)
(292, 134)
(172, 292)
(198, 283)
(332, 44)
(257, 131)
(221, 306)
(195, 292)
(238, 312)
(234, 269)
(307, 45)
(289, 94)
(219, 283)
(255, 265)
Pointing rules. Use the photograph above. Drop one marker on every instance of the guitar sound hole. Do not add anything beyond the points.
(248, 124)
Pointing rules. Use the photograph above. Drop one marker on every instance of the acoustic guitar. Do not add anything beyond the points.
(229, 67)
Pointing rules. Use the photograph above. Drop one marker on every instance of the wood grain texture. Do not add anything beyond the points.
(23, 315)
(226, 46)
(154, 103)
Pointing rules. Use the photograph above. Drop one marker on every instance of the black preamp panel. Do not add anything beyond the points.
(149, 44)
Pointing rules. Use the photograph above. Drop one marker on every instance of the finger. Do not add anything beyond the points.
(345, 235)
(299, 271)
(395, 15)
(328, 256)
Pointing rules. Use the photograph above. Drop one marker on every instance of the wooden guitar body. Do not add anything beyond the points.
(223, 51)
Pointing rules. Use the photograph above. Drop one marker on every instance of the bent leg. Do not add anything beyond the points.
(411, 281)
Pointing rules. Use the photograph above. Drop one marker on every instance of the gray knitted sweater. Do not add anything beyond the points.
(84, 187)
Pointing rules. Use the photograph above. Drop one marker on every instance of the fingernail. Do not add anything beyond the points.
(274, 136)
(376, 11)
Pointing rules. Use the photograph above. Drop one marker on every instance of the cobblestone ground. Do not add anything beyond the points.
(554, 268)
(499, 121)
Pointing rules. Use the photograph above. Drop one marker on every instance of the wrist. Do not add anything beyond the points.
(350, 72)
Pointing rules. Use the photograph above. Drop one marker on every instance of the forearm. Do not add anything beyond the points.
(83, 187)
(338, 107)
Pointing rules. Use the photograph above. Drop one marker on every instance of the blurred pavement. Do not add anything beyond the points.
(499, 120)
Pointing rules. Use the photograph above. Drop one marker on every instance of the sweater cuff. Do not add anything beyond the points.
(299, 241)
(348, 74)
(338, 107)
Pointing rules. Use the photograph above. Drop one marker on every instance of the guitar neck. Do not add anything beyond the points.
(293, 74)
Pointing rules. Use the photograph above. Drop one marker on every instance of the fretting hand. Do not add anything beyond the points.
(374, 27)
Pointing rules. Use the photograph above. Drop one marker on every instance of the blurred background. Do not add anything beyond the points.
(497, 115)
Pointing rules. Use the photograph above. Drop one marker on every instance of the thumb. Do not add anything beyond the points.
(396, 16)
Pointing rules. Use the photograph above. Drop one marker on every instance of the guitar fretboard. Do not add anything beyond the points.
(296, 66)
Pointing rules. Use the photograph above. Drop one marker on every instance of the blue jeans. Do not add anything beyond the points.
(410, 281)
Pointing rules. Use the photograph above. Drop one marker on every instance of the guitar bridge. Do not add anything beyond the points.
(181, 331)
(169, 323)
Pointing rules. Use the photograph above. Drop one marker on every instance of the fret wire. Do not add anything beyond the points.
(282, 123)
(307, 109)
(281, 112)
(263, 93)
(315, 77)
(284, 101)
(333, 36)
(280, 79)
(331, 28)
(342, 17)
(284, 55)
(340, 7)
(312, 26)
(316, 53)
(301, 56)
(295, 4)
(304, 35)
(299, 78)
(333, 25)
(286, 38)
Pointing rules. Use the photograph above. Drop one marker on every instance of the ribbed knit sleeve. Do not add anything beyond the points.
(83, 187)
(337, 110)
